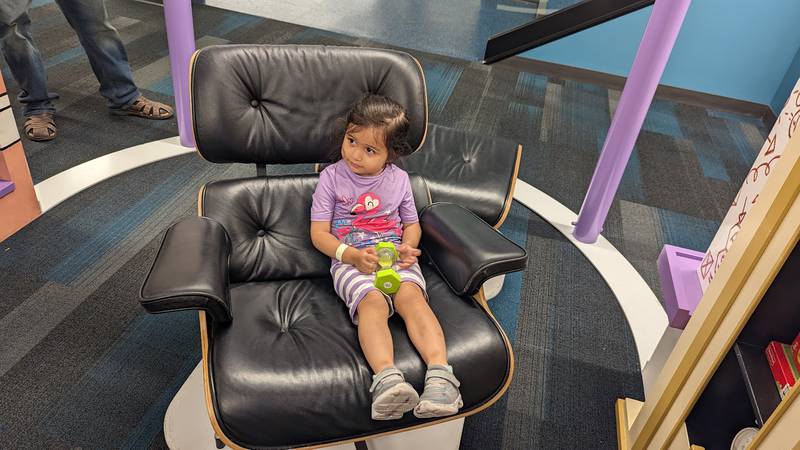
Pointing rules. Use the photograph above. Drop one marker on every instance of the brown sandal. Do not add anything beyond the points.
(40, 127)
(144, 107)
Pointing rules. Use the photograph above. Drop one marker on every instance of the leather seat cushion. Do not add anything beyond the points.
(294, 373)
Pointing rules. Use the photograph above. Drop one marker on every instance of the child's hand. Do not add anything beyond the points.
(408, 256)
(367, 261)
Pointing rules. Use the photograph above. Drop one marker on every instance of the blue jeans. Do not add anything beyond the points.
(99, 39)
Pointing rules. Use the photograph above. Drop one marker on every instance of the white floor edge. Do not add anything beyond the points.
(64, 185)
(646, 317)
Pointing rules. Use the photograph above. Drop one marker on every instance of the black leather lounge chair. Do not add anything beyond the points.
(281, 360)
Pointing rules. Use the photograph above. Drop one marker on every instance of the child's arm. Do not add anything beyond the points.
(364, 260)
(408, 251)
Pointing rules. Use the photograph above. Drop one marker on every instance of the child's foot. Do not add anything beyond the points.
(441, 396)
(391, 395)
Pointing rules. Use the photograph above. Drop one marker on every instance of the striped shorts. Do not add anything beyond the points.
(352, 286)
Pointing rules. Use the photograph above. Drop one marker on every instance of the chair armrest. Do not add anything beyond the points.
(190, 270)
(465, 250)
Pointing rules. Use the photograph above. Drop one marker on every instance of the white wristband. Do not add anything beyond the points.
(340, 251)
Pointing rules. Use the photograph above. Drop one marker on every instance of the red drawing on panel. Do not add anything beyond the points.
(794, 119)
(733, 231)
(772, 140)
(705, 267)
(766, 167)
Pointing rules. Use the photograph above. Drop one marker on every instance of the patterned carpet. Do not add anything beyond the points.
(82, 365)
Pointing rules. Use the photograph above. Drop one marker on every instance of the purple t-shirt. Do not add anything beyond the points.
(364, 210)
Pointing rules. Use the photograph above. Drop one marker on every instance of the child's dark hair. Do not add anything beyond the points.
(376, 111)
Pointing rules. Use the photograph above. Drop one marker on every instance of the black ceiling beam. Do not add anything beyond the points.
(564, 22)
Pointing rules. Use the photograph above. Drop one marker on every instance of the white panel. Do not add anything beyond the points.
(445, 436)
(4, 101)
(8, 128)
(659, 358)
(754, 182)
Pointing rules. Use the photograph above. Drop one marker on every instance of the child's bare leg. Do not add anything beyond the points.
(441, 396)
(422, 325)
(373, 331)
(391, 395)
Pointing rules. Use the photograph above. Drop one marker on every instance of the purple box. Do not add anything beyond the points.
(680, 285)
(6, 187)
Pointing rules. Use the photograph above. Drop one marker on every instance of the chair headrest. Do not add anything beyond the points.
(279, 104)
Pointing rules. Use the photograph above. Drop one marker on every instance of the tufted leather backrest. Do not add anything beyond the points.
(477, 172)
(267, 220)
(278, 104)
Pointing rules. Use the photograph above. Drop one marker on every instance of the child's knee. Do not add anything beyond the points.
(409, 296)
(409, 288)
(373, 304)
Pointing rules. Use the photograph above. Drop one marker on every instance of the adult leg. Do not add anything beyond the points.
(24, 60)
(423, 327)
(104, 49)
(109, 60)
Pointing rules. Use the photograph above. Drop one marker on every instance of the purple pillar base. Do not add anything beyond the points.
(677, 270)
(6, 187)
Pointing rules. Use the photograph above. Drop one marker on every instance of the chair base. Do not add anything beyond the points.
(187, 427)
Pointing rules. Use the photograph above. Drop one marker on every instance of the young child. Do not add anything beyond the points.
(361, 200)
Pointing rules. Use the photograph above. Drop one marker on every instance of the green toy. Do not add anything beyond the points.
(387, 279)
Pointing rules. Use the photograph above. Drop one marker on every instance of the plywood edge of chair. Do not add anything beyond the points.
(191, 104)
(511, 187)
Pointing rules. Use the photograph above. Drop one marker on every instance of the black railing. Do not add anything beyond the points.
(542, 30)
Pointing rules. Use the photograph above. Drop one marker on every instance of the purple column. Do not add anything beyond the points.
(651, 58)
(180, 37)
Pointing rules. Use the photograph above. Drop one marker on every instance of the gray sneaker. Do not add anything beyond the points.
(391, 395)
(441, 396)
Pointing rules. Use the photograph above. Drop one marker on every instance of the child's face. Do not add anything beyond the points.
(364, 150)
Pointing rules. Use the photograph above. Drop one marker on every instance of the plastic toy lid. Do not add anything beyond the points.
(743, 438)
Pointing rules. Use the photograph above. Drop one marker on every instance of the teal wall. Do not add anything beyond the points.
(733, 48)
(789, 80)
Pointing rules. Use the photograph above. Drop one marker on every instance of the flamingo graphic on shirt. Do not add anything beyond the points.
(369, 221)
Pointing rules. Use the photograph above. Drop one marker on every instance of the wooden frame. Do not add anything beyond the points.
(780, 430)
(754, 259)
(510, 195)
